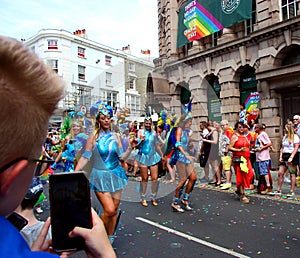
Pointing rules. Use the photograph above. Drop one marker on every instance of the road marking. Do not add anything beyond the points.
(200, 241)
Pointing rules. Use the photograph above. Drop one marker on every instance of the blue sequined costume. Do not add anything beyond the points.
(184, 141)
(73, 146)
(107, 174)
(147, 154)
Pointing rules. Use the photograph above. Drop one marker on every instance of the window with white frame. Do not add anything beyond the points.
(52, 44)
(289, 9)
(249, 24)
(134, 102)
(81, 72)
(53, 64)
(108, 78)
(131, 67)
(81, 52)
(114, 100)
(107, 60)
(132, 83)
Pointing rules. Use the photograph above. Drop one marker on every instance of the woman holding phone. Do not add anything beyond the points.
(108, 178)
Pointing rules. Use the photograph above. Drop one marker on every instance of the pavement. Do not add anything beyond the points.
(274, 174)
(219, 220)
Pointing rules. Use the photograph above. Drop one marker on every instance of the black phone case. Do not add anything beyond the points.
(70, 206)
(17, 220)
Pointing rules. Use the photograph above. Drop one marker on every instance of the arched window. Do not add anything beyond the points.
(292, 56)
(248, 83)
(185, 93)
(248, 89)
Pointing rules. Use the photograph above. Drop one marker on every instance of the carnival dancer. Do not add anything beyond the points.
(74, 144)
(171, 122)
(184, 162)
(108, 178)
(148, 156)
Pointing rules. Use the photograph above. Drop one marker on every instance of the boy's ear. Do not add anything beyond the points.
(8, 176)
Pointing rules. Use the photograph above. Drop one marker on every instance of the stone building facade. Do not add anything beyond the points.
(261, 54)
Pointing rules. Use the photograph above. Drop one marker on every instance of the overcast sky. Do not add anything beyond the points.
(114, 23)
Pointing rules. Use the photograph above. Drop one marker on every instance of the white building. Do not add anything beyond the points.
(91, 71)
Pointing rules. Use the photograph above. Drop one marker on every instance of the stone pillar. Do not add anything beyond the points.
(230, 95)
(269, 114)
(228, 34)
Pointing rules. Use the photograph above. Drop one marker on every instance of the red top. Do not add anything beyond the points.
(242, 142)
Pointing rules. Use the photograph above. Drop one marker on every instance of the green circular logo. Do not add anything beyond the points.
(229, 6)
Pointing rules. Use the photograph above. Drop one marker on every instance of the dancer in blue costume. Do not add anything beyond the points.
(75, 143)
(184, 164)
(108, 177)
(148, 156)
(72, 146)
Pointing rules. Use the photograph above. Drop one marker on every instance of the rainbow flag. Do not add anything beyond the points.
(200, 18)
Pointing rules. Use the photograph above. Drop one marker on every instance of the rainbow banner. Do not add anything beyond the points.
(251, 105)
(200, 18)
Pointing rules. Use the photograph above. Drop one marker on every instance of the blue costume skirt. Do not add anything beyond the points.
(183, 159)
(148, 159)
(108, 180)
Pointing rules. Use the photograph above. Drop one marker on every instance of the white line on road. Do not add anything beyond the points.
(178, 233)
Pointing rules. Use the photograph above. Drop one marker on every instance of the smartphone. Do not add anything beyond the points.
(70, 206)
(17, 220)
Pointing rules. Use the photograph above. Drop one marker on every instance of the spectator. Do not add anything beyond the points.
(251, 136)
(240, 147)
(296, 120)
(211, 143)
(263, 159)
(26, 209)
(288, 159)
(204, 150)
(29, 94)
(226, 159)
(243, 114)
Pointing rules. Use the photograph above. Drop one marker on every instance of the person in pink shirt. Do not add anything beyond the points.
(262, 151)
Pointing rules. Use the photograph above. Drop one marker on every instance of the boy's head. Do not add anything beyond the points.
(29, 95)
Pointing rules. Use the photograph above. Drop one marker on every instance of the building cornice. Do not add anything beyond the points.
(252, 39)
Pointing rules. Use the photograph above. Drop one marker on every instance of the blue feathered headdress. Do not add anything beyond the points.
(188, 110)
(162, 118)
(102, 108)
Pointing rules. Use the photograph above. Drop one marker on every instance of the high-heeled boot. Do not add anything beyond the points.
(143, 200)
(153, 199)
(176, 206)
(185, 202)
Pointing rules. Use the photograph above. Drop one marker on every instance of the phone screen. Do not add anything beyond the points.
(70, 206)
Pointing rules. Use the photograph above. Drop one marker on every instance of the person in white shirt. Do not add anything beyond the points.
(296, 120)
(288, 159)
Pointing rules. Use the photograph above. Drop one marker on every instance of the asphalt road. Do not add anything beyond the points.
(219, 225)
